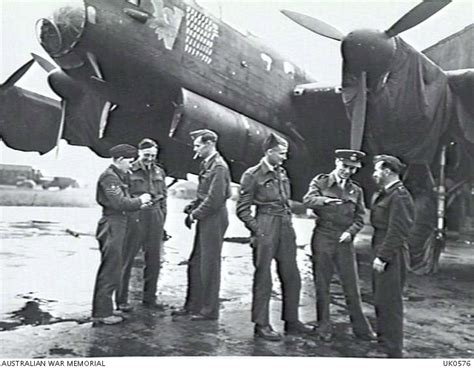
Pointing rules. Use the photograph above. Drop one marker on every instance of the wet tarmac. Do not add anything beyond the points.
(50, 258)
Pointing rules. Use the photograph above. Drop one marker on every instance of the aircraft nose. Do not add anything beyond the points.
(61, 32)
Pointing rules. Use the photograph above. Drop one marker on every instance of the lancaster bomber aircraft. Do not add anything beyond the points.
(128, 69)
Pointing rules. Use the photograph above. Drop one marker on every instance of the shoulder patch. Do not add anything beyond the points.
(220, 163)
(320, 177)
(252, 170)
(134, 166)
(355, 183)
(402, 191)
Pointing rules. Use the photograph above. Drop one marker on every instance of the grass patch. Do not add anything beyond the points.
(70, 197)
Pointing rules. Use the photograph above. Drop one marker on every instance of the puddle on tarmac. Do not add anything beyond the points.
(32, 314)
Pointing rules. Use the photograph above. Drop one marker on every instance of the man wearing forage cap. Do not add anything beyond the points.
(267, 186)
(145, 226)
(113, 195)
(210, 211)
(392, 217)
(338, 203)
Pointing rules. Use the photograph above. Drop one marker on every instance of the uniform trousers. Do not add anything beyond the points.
(327, 254)
(145, 230)
(388, 287)
(110, 233)
(204, 265)
(275, 240)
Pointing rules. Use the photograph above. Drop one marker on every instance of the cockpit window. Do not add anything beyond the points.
(289, 68)
(267, 60)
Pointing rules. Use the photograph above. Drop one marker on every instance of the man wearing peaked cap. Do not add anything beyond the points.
(114, 198)
(338, 203)
(267, 186)
(350, 157)
(392, 217)
(146, 226)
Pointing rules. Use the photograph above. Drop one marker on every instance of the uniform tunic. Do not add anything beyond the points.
(392, 217)
(145, 229)
(209, 208)
(113, 195)
(332, 221)
(273, 238)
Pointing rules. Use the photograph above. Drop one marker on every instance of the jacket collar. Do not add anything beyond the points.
(334, 179)
(207, 163)
(266, 166)
(119, 173)
(385, 191)
(393, 185)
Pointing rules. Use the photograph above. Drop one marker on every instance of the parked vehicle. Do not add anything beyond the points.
(25, 176)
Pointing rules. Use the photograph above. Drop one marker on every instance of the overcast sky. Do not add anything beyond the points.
(319, 56)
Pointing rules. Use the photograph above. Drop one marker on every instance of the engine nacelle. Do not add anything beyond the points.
(240, 137)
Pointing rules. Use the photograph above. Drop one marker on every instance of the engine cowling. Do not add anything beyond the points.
(240, 137)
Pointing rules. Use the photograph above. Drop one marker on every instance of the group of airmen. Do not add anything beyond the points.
(133, 195)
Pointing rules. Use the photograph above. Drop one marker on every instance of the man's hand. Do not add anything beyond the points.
(254, 237)
(188, 221)
(333, 201)
(379, 265)
(345, 237)
(188, 209)
(146, 205)
(145, 198)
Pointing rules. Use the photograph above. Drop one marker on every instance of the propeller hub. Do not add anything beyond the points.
(368, 50)
(61, 32)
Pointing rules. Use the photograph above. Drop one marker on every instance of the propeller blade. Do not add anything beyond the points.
(61, 125)
(45, 64)
(314, 25)
(358, 116)
(418, 14)
(17, 75)
(95, 65)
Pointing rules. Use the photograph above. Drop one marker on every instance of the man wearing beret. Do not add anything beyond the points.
(210, 212)
(267, 186)
(114, 197)
(338, 203)
(145, 226)
(392, 217)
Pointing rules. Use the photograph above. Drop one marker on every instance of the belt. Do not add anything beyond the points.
(278, 211)
(331, 225)
(108, 213)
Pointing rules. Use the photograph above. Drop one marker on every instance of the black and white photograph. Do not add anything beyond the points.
(236, 180)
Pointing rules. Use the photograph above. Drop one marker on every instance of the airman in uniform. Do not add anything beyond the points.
(338, 203)
(392, 217)
(210, 212)
(145, 228)
(114, 197)
(267, 186)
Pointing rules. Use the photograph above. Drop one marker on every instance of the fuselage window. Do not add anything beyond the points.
(289, 68)
(267, 60)
(134, 2)
(91, 14)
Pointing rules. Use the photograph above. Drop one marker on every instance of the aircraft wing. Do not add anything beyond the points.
(29, 121)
